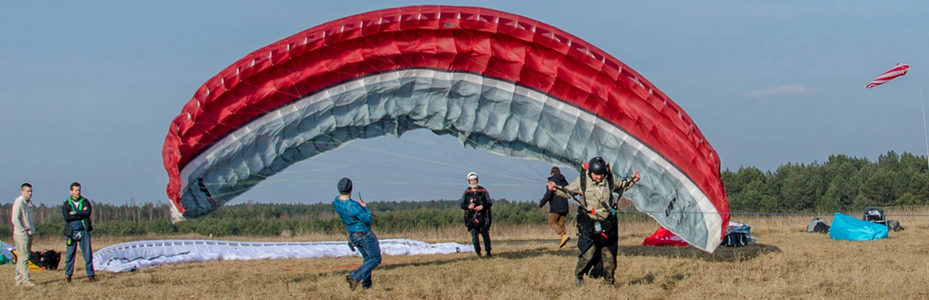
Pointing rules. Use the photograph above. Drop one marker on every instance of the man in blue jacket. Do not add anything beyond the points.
(357, 219)
(77, 211)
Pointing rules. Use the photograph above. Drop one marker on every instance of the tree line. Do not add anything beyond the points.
(842, 183)
(263, 219)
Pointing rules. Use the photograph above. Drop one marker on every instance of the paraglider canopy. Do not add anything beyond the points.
(498, 81)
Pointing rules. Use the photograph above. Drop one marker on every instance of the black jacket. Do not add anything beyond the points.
(478, 196)
(81, 214)
(558, 205)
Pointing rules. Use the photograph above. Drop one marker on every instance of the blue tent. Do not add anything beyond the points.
(848, 228)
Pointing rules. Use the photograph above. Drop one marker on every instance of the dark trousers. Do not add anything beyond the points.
(484, 232)
(594, 253)
(596, 248)
(86, 251)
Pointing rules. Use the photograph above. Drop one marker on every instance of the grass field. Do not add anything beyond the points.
(785, 262)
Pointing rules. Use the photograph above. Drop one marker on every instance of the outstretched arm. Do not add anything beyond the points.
(620, 185)
(567, 191)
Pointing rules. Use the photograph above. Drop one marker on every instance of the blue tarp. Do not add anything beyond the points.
(848, 228)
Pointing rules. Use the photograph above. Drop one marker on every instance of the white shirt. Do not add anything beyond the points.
(22, 216)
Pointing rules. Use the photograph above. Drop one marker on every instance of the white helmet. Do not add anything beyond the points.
(472, 175)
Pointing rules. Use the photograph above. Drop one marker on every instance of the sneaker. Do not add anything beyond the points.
(68, 278)
(564, 240)
(489, 255)
(578, 282)
(352, 283)
(92, 278)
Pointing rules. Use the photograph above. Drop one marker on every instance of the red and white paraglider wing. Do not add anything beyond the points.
(499, 81)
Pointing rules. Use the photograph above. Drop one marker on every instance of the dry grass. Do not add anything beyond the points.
(785, 262)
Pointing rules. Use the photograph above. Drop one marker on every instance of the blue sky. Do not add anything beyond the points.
(88, 89)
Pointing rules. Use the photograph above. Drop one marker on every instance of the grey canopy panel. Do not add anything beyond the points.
(481, 112)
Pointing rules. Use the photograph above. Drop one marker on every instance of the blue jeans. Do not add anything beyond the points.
(86, 250)
(370, 250)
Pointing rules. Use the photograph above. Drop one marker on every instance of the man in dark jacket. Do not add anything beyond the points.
(77, 211)
(476, 203)
(558, 206)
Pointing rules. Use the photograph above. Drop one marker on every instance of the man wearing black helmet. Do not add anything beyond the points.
(596, 216)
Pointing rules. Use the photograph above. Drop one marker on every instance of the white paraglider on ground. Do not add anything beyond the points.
(135, 255)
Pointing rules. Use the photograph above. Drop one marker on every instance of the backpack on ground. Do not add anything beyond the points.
(735, 239)
(738, 235)
(44, 260)
(818, 225)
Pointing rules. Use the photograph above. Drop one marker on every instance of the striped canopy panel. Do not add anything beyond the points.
(497, 81)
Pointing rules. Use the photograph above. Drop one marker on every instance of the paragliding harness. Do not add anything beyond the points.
(47, 259)
(41, 260)
(474, 219)
(598, 231)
